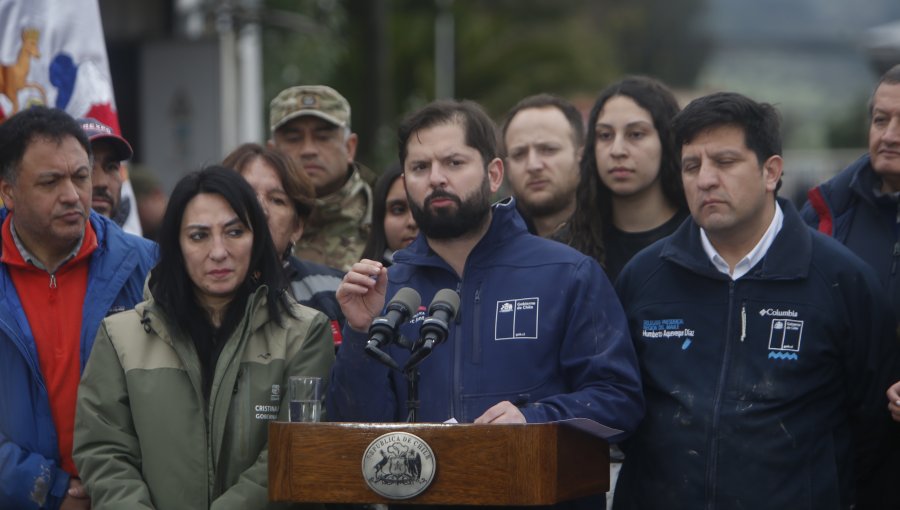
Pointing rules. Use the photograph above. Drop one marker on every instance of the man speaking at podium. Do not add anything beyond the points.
(539, 334)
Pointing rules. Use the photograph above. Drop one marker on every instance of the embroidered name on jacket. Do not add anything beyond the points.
(784, 334)
(666, 328)
(269, 411)
(661, 329)
(517, 319)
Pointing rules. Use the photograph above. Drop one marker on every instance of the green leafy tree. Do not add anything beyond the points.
(381, 53)
(301, 42)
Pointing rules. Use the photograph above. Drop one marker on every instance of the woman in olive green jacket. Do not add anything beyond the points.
(174, 404)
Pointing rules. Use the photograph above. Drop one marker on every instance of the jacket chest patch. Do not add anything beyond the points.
(269, 411)
(276, 393)
(668, 329)
(784, 339)
(517, 319)
(266, 412)
(785, 334)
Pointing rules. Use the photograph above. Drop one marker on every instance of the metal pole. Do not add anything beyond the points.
(444, 51)
(250, 125)
(228, 74)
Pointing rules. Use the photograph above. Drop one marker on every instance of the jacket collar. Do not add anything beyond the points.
(788, 258)
(863, 178)
(153, 316)
(99, 224)
(506, 223)
(864, 183)
(338, 206)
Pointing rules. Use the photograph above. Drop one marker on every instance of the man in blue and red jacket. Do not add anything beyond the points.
(860, 207)
(63, 268)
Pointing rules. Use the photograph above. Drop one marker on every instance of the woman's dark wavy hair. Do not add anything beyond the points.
(376, 244)
(169, 282)
(593, 200)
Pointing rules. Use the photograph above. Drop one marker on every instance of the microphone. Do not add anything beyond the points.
(441, 312)
(384, 329)
(435, 328)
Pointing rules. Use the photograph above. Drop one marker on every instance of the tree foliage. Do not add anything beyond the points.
(381, 53)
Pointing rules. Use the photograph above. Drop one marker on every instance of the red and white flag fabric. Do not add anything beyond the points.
(52, 52)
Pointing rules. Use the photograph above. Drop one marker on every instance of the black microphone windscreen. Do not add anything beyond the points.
(409, 298)
(448, 297)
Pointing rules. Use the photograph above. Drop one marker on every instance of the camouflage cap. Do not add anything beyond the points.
(316, 100)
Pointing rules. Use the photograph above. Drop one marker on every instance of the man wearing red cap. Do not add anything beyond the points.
(109, 150)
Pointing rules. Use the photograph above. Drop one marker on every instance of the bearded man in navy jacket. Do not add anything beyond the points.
(565, 355)
(765, 347)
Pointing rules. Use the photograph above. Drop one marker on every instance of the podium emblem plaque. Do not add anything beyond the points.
(398, 465)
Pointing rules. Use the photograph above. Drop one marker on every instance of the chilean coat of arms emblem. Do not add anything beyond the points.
(398, 465)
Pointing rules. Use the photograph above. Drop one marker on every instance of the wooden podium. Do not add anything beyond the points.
(528, 464)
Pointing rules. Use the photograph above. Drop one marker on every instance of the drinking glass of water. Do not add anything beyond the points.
(306, 398)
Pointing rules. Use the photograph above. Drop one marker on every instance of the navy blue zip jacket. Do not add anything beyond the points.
(846, 208)
(755, 387)
(539, 325)
(30, 476)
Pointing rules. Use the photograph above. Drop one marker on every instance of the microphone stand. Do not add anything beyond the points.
(432, 331)
(412, 394)
(418, 353)
(412, 382)
(410, 372)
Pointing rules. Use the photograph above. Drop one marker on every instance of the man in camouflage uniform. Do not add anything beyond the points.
(311, 124)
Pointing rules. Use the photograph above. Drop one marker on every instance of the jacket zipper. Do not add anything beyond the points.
(52, 280)
(241, 396)
(743, 320)
(712, 455)
(476, 332)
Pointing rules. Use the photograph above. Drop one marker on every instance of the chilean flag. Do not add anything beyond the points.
(52, 52)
